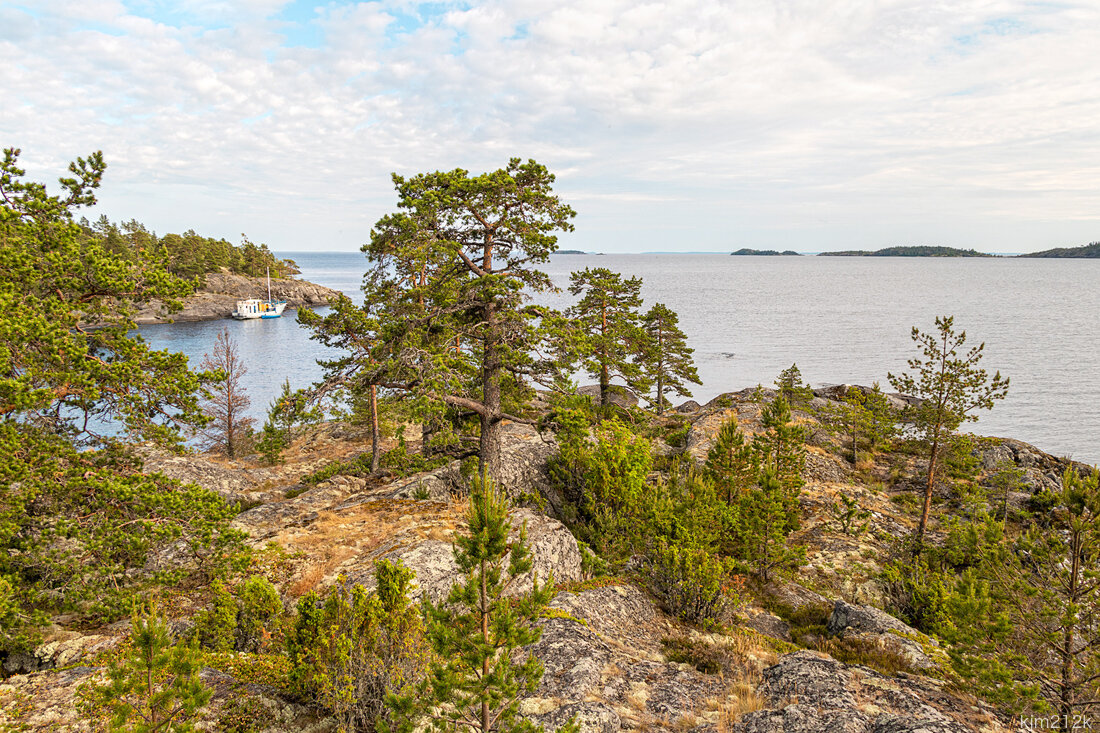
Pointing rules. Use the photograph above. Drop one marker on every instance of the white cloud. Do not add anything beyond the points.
(822, 118)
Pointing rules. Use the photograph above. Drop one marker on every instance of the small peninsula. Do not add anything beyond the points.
(920, 251)
(222, 272)
(1087, 251)
(766, 252)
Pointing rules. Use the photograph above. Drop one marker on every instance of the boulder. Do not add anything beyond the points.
(554, 552)
(623, 614)
(619, 396)
(591, 717)
(233, 485)
(767, 624)
(849, 621)
(573, 659)
(836, 392)
(806, 692)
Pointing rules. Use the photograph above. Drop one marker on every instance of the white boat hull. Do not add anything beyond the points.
(256, 308)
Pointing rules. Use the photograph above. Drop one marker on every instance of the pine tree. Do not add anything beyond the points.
(156, 687)
(764, 519)
(226, 403)
(367, 360)
(951, 387)
(607, 317)
(477, 680)
(850, 420)
(780, 445)
(732, 462)
(459, 260)
(668, 361)
(791, 387)
(293, 407)
(882, 417)
(1048, 583)
(767, 515)
(70, 366)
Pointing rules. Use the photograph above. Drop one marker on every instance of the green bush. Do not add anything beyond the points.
(692, 583)
(259, 610)
(216, 625)
(243, 620)
(351, 648)
(677, 438)
(707, 657)
(244, 714)
(850, 517)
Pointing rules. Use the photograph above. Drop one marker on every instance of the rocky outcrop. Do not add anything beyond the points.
(554, 554)
(218, 296)
(872, 624)
(807, 692)
(524, 477)
(618, 396)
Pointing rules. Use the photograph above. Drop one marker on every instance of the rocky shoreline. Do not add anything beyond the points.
(218, 297)
(613, 656)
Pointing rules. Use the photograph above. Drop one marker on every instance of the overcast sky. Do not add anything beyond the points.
(684, 125)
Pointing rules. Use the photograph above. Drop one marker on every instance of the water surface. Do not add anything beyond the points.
(844, 319)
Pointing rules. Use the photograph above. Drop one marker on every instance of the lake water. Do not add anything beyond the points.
(841, 319)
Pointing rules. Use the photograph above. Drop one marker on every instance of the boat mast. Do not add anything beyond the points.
(269, 284)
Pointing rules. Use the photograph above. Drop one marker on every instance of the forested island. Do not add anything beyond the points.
(765, 252)
(219, 272)
(1088, 251)
(919, 251)
(447, 528)
(187, 255)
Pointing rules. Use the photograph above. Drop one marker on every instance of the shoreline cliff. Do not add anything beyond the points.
(217, 298)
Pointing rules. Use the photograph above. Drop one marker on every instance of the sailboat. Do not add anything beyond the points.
(257, 308)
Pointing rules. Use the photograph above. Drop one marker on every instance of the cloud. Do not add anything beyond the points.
(799, 118)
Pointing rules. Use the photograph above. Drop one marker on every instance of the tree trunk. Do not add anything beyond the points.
(660, 369)
(485, 727)
(1068, 637)
(489, 442)
(605, 379)
(933, 458)
(375, 438)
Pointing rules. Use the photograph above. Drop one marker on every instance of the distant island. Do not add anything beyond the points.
(570, 252)
(1091, 251)
(909, 252)
(768, 252)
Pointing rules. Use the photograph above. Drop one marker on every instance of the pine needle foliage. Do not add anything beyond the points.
(952, 387)
(668, 362)
(78, 516)
(613, 343)
(155, 688)
(477, 679)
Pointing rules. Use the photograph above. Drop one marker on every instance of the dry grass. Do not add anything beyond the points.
(307, 581)
(636, 698)
(741, 698)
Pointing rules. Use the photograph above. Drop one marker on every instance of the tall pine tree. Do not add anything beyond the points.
(668, 363)
(613, 341)
(951, 387)
(460, 257)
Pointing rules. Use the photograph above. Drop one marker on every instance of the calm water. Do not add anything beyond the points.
(841, 319)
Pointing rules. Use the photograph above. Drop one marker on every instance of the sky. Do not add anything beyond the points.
(688, 125)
